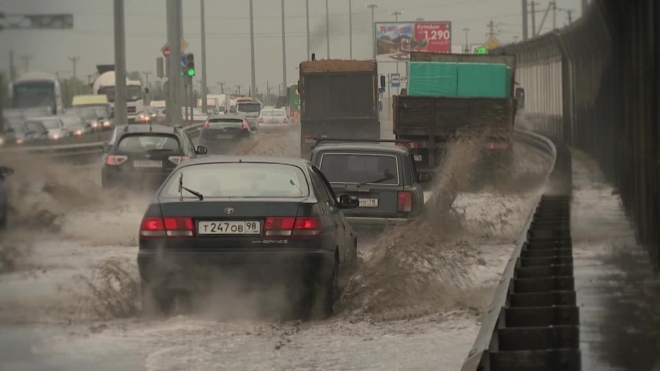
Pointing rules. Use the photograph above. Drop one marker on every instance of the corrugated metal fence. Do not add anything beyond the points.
(595, 85)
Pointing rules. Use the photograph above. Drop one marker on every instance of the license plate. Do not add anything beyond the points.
(146, 163)
(223, 136)
(418, 158)
(368, 202)
(233, 227)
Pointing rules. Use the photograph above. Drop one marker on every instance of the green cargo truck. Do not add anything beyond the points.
(451, 95)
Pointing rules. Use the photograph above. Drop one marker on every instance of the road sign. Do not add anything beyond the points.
(395, 79)
(492, 43)
(166, 48)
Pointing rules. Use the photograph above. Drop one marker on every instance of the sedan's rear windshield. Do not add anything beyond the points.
(148, 142)
(239, 180)
(272, 113)
(359, 168)
(223, 123)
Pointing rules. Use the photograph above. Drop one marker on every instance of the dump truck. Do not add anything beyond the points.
(457, 95)
(338, 99)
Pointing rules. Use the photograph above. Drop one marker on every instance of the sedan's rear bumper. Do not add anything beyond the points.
(370, 221)
(246, 266)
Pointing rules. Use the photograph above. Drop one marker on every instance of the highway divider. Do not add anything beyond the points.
(79, 150)
(533, 320)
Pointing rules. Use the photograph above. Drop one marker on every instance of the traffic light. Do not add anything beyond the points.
(190, 65)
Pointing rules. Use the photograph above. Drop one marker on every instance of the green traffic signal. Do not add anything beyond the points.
(191, 72)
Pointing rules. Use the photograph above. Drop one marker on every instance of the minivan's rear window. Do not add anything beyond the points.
(239, 180)
(223, 123)
(148, 142)
(359, 168)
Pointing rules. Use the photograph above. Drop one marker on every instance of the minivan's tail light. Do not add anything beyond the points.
(244, 126)
(261, 120)
(404, 203)
(167, 227)
(178, 159)
(289, 226)
(113, 160)
(206, 125)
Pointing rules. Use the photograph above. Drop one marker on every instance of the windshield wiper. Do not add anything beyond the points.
(182, 188)
(295, 185)
(386, 177)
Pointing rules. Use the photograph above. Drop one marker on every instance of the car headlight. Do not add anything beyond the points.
(55, 136)
(78, 132)
(95, 124)
(19, 141)
(106, 123)
(2, 141)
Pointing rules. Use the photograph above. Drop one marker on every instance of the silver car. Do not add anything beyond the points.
(273, 118)
(55, 126)
(250, 110)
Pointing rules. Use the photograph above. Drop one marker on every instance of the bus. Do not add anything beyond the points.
(37, 90)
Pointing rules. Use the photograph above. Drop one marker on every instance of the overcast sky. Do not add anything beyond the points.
(228, 33)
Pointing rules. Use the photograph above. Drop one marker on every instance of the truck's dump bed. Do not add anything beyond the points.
(445, 116)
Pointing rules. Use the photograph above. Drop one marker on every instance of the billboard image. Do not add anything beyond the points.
(394, 40)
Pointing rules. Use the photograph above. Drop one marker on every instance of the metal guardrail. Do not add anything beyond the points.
(80, 149)
(533, 321)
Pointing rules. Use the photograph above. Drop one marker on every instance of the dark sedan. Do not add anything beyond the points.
(221, 133)
(263, 219)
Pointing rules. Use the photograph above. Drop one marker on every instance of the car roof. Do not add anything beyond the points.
(238, 117)
(248, 159)
(146, 128)
(362, 146)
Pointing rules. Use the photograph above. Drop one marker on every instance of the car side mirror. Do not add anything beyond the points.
(348, 202)
(5, 171)
(201, 150)
(424, 177)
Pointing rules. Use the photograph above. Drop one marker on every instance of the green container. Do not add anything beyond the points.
(483, 80)
(432, 79)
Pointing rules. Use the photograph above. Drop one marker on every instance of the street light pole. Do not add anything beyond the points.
(373, 28)
(396, 15)
(350, 28)
(283, 47)
(327, 26)
(308, 39)
(203, 88)
(120, 114)
(254, 82)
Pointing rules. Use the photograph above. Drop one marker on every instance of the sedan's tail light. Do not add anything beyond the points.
(167, 227)
(261, 120)
(286, 121)
(115, 160)
(206, 125)
(405, 202)
(244, 126)
(290, 226)
(178, 159)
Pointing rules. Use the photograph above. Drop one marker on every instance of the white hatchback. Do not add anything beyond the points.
(272, 118)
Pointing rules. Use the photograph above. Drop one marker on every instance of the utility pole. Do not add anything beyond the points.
(327, 26)
(491, 29)
(396, 15)
(283, 46)
(121, 110)
(203, 83)
(585, 5)
(12, 66)
(146, 77)
(222, 86)
(175, 82)
(350, 29)
(254, 82)
(570, 16)
(524, 20)
(467, 44)
(268, 89)
(238, 88)
(373, 28)
(74, 60)
(554, 14)
(545, 16)
(533, 6)
(146, 84)
(308, 38)
(26, 62)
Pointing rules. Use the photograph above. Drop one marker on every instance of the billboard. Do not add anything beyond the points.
(394, 40)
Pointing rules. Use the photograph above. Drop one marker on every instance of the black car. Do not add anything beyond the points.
(381, 174)
(144, 154)
(265, 219)
(222, 132)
